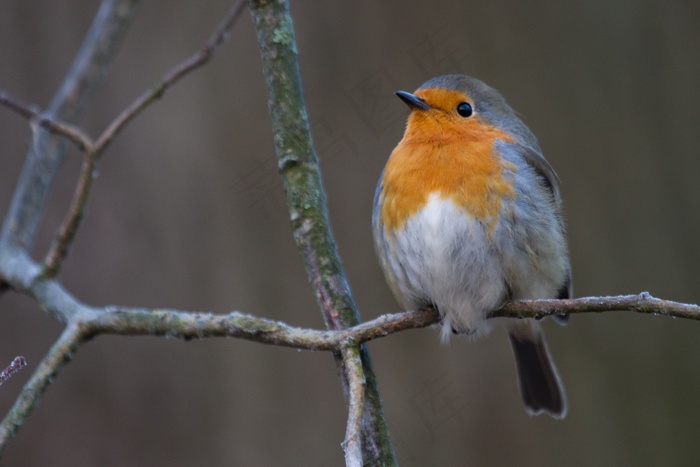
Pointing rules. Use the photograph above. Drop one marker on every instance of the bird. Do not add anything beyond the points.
(467, 216)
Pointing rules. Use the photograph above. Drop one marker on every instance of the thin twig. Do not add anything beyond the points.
(33, 113)
(171, 77)
(352, 445)
(17, 364)
(76, 211)
(69, 227)
(640, 303)
(60, 354)
(47, 152)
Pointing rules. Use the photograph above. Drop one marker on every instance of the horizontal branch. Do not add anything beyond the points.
(24, 275)
(640, 303)
(85, 322)
(198, 325)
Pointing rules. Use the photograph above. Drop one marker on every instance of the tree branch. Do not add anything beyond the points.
(25, 276)
(367, 438)
(17, 364)
(352, 445)
(85, 322)
(69, 227)
(94, 150)
(46, 152)
(306, 201)
(198, 325)
(60, 354)
(76, 211)
(35, 115)
(640, 303)
(168, 80)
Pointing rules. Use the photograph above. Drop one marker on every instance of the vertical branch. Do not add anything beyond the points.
(46, 151)
(306, 201)
(298, 163)
(352, 445)
(60, 354)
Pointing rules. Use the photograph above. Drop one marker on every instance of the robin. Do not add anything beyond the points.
(467, 216)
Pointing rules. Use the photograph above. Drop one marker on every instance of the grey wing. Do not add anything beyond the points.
(537, 161)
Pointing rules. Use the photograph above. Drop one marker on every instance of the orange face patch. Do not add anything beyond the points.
(444, 153)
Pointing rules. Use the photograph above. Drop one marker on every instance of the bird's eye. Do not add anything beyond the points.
(464, 109)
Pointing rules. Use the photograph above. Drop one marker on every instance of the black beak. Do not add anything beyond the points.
(412, 101)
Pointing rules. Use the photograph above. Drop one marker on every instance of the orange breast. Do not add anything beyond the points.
(455, 159)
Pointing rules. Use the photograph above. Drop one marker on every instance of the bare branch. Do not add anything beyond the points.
(196, 325)
(85, 322)
(352, 445)
(298, 165)
(24, 276)
(60, 354)
(171, 77)
(71, 223)
(69, 227)
(17, 364)
(35, 115)
(46, 152)
(199, 325)
(640, 303)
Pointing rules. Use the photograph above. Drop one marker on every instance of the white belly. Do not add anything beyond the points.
(444, 257)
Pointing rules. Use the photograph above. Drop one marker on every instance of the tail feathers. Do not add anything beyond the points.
(537, 377)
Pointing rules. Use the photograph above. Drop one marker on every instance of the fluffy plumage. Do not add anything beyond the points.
(467, 215)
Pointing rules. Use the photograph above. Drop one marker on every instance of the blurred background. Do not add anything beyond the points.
(189, 213)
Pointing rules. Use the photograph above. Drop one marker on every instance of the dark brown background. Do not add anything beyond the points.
(188, 212)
